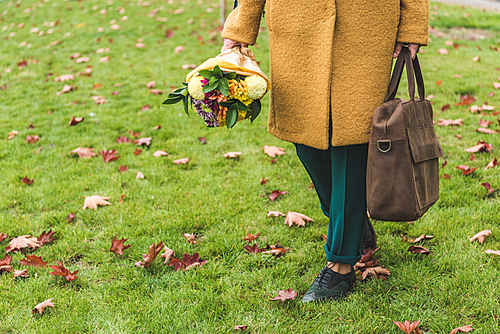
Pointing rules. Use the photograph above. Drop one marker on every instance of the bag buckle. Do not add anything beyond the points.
(385, 141)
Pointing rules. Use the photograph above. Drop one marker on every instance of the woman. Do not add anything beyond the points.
(330, 69)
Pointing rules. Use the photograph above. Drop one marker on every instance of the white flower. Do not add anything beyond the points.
(256, 86)
(195, 88)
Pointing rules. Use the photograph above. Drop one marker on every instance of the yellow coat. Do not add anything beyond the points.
(330, 61)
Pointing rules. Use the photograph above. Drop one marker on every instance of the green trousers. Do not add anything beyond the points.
(339, 177)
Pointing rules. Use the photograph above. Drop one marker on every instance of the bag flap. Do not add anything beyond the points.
(424, 144)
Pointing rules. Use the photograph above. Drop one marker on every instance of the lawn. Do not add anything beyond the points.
(216, 199)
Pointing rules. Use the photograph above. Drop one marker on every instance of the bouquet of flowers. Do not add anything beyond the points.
(226, 94)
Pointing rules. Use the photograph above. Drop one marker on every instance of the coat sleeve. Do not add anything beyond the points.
(242, 25)
(413, 22)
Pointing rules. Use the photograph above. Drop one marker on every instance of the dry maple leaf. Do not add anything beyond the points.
(191, 238)
(176, 263)
(484, 123)
(12, 134)
(6, 260)
(232, 154)
(487, 185)
(109, 155)
(31, 139)
(487, 131)
(155, 91)
(151, 84)
(178, 49)
(240, 327)
(423, 237)
(284, 295)
(254, 249)
(59, 270)
(3, 236)
(408, 327)
(75, 120)
(91, 202)
(480, 147)
(481, 236)
(188, 66)
(123, 169)
(33, 260)
(181, 161)
(273, 151)
(378, 272)
(137, 151)
(66, 89)
(263, 181)
(419, 250)
(148, 258)
(296, 218)
(139, 175)
(123, 139)
(169, 253)
(463, 329)
(25, 180)
(158, 154)
(143, 141)
(466, 170)
(274, 194)
(492, 164)
(40, 308)
(275, 214)
(202, 140)
(70, 218)
(465, 100)
(251, 237)
(368, 254)
(21, 273)
(22, 241)
(82, 60)
(5, 269)
(192, 261)
(84, 152)
(490, 251)
(99, 99)
(46, 237)
(117, 246)
(64, 77)
(446, 122)
(104, 59)
(158, 127)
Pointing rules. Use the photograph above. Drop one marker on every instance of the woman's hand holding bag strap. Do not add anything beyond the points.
(403, 168)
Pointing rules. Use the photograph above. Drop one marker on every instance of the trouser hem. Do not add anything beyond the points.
(352, 260)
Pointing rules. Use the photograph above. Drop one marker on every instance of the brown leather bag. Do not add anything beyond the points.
(403, 169)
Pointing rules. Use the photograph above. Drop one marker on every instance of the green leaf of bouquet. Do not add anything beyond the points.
(173, 100)
(224, 86)
(231, 117)
(242, 106)
(217, 72)
(230, 75)
(207, 74)
(186, 105)
(185, 83)
(255, 108)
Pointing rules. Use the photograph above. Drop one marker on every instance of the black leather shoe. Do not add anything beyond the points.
(369, 236)
(329, 285)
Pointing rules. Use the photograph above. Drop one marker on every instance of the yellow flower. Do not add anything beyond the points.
(195, 88)
(256, 87)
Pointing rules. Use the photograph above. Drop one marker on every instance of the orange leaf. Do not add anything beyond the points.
(117, 246)
(296, 218)
(91, 202)
(40, 308)
(273, 151)
(33, 260)
(22, 241)
(480, 236)
(148, 258)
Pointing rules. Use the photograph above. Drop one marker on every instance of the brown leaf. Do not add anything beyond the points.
(117, 246)
(296, 218)
(148, 258)
(465, 100)
(64, 77)
(192, 261)
(3, 236)
(46, 238)
(104, 59)
(155, 91)
(140, 45)
(284, 295)
(143, 141)
(67, 89)
(123, 169)
(275, 214)
(7, 259)
(423, 237)
(489, 251)
(181, 161)
(91, 202)
(151, 84)
(139, 175)
(492, 164)
(158, 154)
(169, 33)
(368, 254)
(191, 238)
(203, 140)
(137, 151)
(188, 66)
(274, 194)
(488, 187)
(70, 217)
(487, 131)
(463, 329)
(59, 270)
(446, 122)
(480, 236)
(33, 260)
(158, 127)
(32, 139)
(12, 134)
(480, 147)
(40, 308)
(263, 181)
(179, 49)
(25, 180)
(484, 123)
(240, 327)
(22, 241)
(134, 134)
(99, 99)
(75, 120)
(123, 139)
(251, 237)
(273, 151)
(109, 155)
(232, 154)
(254, 249)
(21, 273)
(419, 250)
(443, 51)
(169, 253)
(275, 251)
(82, 60)
(84, 152)
(445, 107)
(377, 272)
(466, 170)
(407, 327)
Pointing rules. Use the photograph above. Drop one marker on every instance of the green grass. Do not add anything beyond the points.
(218, 199)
